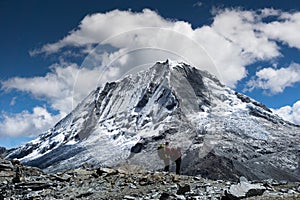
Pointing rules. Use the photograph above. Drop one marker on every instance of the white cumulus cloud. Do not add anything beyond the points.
(101, 26)
(27, 123)
(240, 28)
(233, 41)
(290, 113)
(62, 88)
(286, 29)
(275, 80)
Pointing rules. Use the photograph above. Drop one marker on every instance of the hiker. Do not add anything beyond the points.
(176, 156)
(164, 152)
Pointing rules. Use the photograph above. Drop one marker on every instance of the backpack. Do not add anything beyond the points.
(161, 151)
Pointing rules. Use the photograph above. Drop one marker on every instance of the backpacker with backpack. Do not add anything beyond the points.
(161, 151)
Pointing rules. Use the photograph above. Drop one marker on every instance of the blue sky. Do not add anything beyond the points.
(46, 52)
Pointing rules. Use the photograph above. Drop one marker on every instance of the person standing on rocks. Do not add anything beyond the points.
(176, 156)
(164, 153)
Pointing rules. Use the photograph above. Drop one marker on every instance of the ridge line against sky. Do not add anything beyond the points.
(259, 45)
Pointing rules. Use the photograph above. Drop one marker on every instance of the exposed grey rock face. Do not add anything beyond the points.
(222, 134)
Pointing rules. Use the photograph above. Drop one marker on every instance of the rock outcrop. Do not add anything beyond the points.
(244, 189)
(128, 182)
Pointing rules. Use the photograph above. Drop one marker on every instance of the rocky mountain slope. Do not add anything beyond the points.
(223, 134)
(131, 183)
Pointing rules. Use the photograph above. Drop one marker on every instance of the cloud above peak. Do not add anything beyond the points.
(242, 29)
(98, 27)
(235, 39)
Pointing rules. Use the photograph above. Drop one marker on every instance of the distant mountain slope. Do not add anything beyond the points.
(223, 134)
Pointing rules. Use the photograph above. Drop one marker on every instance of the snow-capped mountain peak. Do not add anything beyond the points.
(125, 120)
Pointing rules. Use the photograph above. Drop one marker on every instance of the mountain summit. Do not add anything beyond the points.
(223, 134)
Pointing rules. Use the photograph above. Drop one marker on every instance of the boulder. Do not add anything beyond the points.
(176, 178)
(82, 172)
(164, 196)
(5, 174)
(182, 189)
(243, 179)
(83, 195)
(35, 186)
(129, 197)
(15, 162)
(107, 171)
(243, 190)
(62, 177)
(5, 165)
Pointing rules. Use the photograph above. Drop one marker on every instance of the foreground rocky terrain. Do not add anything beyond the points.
(130, 182)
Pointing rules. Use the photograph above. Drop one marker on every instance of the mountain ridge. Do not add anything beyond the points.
(175, 102)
